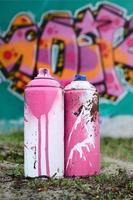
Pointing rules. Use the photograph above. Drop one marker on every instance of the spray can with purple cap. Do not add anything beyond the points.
(44, 127)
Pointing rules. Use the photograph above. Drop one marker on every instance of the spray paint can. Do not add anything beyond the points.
(82, 139)
(44, 127)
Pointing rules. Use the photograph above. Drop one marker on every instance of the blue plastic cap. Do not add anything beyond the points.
(79, 77)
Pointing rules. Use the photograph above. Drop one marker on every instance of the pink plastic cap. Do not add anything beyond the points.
(44, 79)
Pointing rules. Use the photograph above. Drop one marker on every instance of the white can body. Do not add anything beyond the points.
(44, 131)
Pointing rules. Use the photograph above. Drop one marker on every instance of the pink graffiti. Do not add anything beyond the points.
(93, 42)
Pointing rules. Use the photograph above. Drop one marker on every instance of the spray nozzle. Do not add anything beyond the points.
(43, 73)
(79, 77)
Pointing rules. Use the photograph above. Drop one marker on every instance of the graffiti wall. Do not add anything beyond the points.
(94, 40)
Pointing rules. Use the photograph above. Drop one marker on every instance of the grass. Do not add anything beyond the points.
(14, 138)
(118, 148)
(16, 172)
(11, 148)
(102, 187)
(105, 164)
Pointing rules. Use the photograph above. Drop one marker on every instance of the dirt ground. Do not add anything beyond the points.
(114, 182)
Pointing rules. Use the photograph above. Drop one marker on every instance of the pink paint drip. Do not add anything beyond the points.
(39, 146)
(39, 102)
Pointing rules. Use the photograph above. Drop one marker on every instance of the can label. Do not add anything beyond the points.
(44, 132)
(82, 148)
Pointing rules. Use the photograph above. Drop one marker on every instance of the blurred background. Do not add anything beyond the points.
(92, 37)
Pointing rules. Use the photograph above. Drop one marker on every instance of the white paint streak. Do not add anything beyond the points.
(83, 85)
(78, 120)
(56, 137)
(85, 115)
(90, 164)
(43, 147)
(30, 146)
(79, 148)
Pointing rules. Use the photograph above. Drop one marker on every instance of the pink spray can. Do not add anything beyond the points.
(44, 127)
(82, 139)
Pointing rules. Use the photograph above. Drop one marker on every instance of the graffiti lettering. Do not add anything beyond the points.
(93, 42)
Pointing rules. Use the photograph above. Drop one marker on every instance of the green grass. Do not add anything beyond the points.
(14, 138)
(16, 172)
(105, 164)
(11, 145)
(118, 148)
(102, 187)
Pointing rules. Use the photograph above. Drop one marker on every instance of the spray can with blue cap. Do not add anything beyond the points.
(82, 138)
